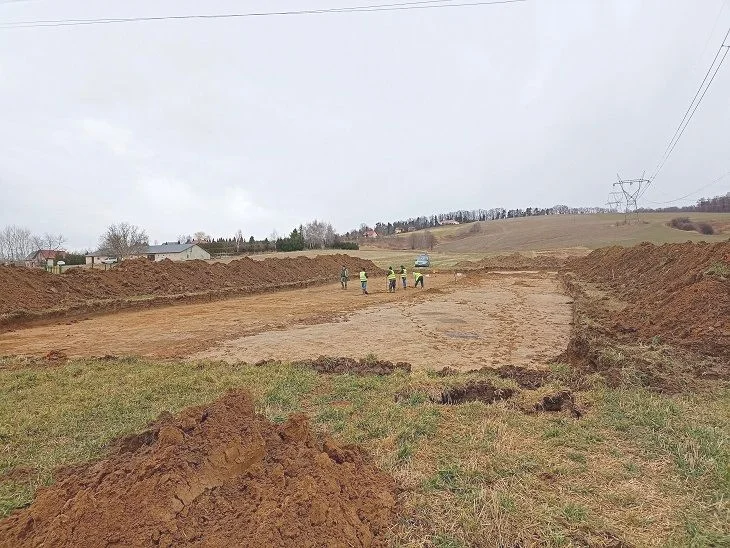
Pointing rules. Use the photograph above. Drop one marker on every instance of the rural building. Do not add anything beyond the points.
(41, 257)
(371, 234)
(449, 222)
(97, 257)
(173, 251)
(176, 252)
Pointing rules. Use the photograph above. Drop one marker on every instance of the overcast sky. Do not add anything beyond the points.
(263, 123)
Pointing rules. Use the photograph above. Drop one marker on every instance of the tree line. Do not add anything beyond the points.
(718, 204)
(464, 216)
(18, 242)
(313, 235)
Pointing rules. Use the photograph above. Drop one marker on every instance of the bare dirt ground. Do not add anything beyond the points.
(490, 319)
(499, 319)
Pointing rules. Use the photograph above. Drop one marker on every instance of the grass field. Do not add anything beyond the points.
(647, 469)
(568, 232)
(563, 235)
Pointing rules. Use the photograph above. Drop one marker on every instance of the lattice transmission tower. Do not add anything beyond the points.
(615, 199)
(631, 190)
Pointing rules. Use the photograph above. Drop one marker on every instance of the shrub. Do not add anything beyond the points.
(682, 223)
(345, 245)
(705, 228)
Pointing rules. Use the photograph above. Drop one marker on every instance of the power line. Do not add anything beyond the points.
(691, 109)
(714, 181)
(402, 6)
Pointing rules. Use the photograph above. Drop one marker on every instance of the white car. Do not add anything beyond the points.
(423, 261)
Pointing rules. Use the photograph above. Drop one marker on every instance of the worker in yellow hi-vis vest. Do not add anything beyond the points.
(419, 279)
(364, 282)
(391, 280)
(404, 276)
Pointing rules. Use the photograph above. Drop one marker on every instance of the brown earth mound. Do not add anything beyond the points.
(672, 291)
(482, 391)
(218, 475)
(34, 290)
(515, 261)
(326, 364)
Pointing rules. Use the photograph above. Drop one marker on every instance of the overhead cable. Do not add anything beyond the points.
(402, 6)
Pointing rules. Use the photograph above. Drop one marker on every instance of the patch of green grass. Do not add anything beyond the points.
(446, 541)
(332, 417)
(665, 426)
(574, 513)
(285, 393)
(576, 457)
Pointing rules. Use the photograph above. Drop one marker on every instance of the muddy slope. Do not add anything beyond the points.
(672, 291)
(34, 290)
(217, 475)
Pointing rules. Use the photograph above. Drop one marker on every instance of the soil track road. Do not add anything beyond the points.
(490, 319)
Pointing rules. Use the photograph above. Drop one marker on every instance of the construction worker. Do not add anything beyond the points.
(364, 282)
(344, 276)
(404, 276)
(419, 279)
(391, 280)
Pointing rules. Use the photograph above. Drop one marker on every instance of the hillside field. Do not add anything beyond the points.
(573, 234)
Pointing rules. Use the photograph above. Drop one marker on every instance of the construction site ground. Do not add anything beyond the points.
(578, 402)
(464, 322)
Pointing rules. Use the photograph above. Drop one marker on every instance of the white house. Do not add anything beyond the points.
(176, 252)
(173, 251)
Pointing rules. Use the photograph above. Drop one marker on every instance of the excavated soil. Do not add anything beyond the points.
(558, 401)
(217, 475)
(666, 292)
(515, 261)
(326, 364)
(482, 391)
(523, 376)
(27, 290)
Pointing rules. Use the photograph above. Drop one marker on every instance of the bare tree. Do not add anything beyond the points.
(16, 243)
(239, 240)
(430, 239)
(184, 238)
(201, 236)
(422, 240)
(318, 234)
(124, 240)
(52, 242)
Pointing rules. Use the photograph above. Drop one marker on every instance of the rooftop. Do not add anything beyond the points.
(152, 249)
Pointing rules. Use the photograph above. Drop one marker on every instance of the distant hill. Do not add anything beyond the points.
(560, 232)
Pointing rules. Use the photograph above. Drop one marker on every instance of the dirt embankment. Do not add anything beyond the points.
(217, 475)
(677, 292)
(515, 261)
(28, 293)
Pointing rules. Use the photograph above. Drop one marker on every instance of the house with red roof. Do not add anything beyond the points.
(39, 258)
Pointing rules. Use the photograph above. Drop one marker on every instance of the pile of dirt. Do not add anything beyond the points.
(515, 261)
(675, 292)
(326, 364)
(217, 475)
(34, 290)
(482, 391)
(523, 376)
